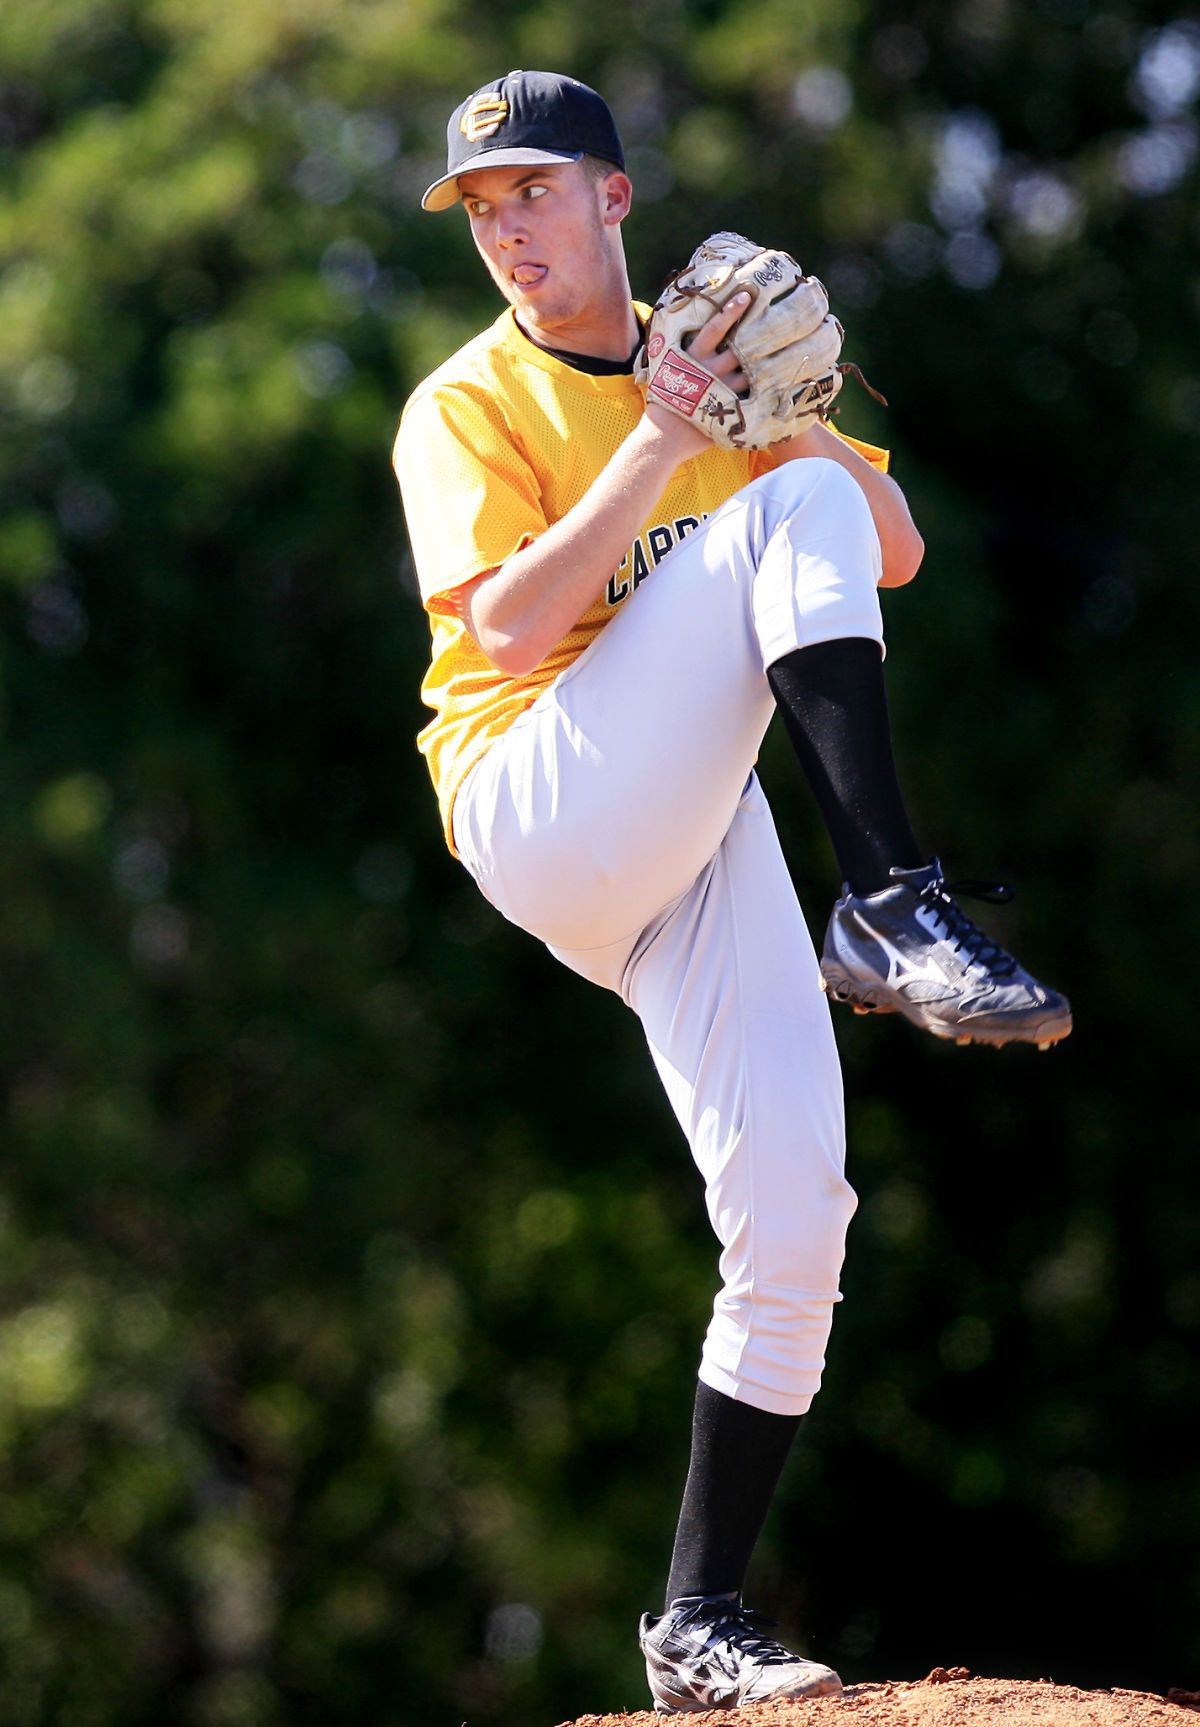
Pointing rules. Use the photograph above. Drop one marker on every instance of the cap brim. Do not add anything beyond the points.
(444, 192)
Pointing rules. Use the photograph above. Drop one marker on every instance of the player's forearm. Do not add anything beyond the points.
(901, 543)
(520, 611)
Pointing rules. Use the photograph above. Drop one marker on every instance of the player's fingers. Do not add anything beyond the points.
(710, 336)
(724, 365)
(726, 368)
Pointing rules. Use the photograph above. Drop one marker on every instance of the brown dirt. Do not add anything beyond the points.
(946, 1698)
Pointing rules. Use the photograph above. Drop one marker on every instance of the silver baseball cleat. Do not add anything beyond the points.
(911, 949)
(709, 1652)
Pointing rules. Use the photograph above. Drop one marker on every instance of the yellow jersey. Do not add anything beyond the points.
(498, 443)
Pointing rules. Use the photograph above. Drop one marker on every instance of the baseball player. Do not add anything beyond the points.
(617, 608)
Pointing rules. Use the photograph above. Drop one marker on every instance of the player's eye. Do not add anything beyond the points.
(477, 206)
(534, 191)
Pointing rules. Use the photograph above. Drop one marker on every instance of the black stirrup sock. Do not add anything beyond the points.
(834, 706)
(738, 1454)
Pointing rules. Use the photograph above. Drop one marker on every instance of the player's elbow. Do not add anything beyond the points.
(513, 649)
(902, 557)
(513, 655)
(506, 640)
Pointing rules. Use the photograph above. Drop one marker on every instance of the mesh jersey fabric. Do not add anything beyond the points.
(498, 443)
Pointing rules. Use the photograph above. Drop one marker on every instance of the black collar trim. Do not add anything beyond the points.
(590, 363)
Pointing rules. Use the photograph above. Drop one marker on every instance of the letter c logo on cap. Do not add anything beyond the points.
(485, 115)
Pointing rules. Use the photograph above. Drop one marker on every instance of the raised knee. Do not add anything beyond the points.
(805, 478)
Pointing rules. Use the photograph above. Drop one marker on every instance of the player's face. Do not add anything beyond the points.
(550, 238)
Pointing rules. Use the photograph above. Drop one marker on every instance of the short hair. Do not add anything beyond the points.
(596, 168)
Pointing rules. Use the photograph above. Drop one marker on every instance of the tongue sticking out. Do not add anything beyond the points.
(525, 275)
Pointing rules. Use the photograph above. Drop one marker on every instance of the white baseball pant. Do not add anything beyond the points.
(620, 821)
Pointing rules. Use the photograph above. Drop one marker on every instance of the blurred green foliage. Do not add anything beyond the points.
(353, 1273)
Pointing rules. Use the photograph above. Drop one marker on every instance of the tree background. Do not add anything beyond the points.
(353, 1270)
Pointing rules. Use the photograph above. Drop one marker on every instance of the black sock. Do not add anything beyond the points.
(834, 706)
(738, 1454)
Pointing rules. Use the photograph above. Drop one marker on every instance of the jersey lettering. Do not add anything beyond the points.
(617, 589)
(660, 539)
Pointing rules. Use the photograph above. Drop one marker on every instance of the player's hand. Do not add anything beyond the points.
(685, 440)
(706, 346)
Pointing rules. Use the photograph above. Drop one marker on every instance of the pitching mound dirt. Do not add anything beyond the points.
(949, 1697)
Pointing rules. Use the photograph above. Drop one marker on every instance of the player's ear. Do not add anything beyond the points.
(616, 197)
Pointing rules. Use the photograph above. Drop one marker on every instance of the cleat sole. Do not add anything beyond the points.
(840, 988)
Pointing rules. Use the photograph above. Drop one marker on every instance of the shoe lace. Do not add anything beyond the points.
(744, 1627)
(964, 933)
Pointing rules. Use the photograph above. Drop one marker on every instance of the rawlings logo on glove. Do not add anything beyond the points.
(678, 383)
(787, 344)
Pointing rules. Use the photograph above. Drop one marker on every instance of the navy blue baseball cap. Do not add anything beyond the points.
(526, 117)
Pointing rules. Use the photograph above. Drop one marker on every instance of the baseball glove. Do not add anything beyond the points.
(787, 343)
